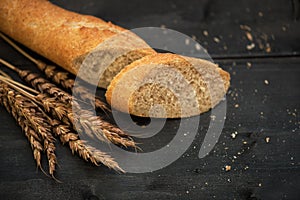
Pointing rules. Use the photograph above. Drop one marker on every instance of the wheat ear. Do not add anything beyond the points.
(33, 138)
(68, 135)
(91, 124)
(38, 122)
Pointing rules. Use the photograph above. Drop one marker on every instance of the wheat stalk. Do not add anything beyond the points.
(68, 135)
(34, 139)
(62, 110)
(60, 77)
(37, 121)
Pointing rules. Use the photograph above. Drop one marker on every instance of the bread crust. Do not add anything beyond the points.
(62, 36)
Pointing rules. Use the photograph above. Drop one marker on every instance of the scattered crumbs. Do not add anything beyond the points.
(266, 82)
(217, 40)
(261, 113)
(249, 65)
(267, 139)
(227, 168)
(246, 168)
(292, 158)
(205, 33)
(229, 180)
(194, 186)
(234, 157)
(268, 48)
(245, 28)
(249, 36)
(244, 142)
(236, 105)
(194, 37)
(233, 135)
(250, 46)
(162, 26)
(206, 183)
(187, 191)
(260, 14)
(187, 41)
(259, 184)
(197, 47)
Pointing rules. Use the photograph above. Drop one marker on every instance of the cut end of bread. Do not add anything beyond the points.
(112, 70)
(168, 86)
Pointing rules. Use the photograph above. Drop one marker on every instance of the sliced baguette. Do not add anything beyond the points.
(182, 86)
(64, 37)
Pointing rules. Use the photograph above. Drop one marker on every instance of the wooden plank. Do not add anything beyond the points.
(259, 170)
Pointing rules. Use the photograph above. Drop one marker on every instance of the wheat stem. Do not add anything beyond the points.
(4, 74)
(17, 48)
(15, 83)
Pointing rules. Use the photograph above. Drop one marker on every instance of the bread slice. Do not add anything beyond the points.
(64, 37)
(168, 85)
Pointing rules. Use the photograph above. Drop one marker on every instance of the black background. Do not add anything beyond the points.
(259, 170)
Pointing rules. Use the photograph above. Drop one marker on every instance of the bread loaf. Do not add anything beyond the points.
(142, 82)
(168, 85)
(66, 37)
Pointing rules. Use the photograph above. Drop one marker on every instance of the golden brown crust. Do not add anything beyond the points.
(57, 34)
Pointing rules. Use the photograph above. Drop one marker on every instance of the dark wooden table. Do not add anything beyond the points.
(263, 102)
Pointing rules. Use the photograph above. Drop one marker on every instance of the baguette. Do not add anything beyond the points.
(142, 82)
(65, 37)
(168, 86)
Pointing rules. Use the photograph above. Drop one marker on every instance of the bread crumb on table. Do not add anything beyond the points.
(233, 135)
(217, 40)
(227, 168)
(249, 65)
(249, 36)
(250, 46)
(267, 139)
(266, 82)
(245, 27)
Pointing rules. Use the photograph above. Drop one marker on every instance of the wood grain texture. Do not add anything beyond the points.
(256, 110)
